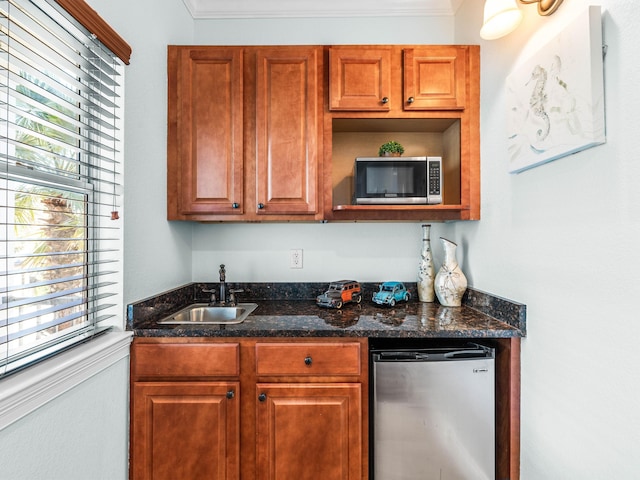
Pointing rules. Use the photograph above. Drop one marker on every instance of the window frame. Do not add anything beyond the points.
(25, 391)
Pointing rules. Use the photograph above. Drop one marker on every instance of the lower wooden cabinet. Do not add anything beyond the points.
(249, 408)
(273, 409)
(309, 431)
(185, 430)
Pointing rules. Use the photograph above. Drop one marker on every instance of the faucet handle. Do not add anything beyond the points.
(232, 294)
(213, 294)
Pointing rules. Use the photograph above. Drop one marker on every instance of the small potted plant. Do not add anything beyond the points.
(391, 149)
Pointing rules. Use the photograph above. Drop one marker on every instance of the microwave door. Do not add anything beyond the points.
(382, 180)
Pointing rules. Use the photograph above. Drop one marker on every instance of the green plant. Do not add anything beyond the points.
(389, 148)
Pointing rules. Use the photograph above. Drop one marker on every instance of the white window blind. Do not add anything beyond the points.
(59, 183)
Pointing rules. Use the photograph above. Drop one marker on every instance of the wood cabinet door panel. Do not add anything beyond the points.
(210, 130)
(309, 431)
(360, 79)
(185, 430)
(434, 78)
(287, 129)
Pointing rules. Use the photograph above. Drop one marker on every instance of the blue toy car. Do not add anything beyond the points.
(390, 293)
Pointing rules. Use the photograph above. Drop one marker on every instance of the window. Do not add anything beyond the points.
(60, 238)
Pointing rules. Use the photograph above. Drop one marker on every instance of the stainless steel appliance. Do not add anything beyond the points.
(434, 414)
(397, 180)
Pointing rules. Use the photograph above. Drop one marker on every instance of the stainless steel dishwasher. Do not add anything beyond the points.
(434, 413)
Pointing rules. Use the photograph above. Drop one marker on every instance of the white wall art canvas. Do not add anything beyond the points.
(555, 100)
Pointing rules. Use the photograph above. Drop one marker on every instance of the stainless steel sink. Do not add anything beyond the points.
(204, 314)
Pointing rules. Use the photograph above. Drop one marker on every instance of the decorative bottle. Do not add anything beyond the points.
(450, 283)
(426, 271)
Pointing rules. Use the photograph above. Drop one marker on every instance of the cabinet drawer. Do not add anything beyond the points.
(186, 360)
(308, 358)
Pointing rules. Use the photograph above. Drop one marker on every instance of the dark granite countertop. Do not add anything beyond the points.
(289, 310)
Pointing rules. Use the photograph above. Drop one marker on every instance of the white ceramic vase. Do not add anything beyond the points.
(450, 283)
(426, 270)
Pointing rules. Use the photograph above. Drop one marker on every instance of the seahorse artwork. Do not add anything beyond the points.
(538, 99)
(563, 103)
(555, 99)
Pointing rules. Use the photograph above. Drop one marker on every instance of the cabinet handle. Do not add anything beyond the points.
(260, 206)
(262, 397)
(231, 394)
(410, 100)
(385, 99)
(235, 205)
(308, 361)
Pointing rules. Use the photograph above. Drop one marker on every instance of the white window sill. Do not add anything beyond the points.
(26, 391)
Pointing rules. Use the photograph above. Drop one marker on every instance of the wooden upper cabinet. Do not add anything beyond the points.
(206, 130)
(244, 133)
(360, 79)
(384, 80)
(435, 78)
(252, 136)
(288, 121)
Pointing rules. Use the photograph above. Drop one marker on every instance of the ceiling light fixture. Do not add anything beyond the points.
(502, 17)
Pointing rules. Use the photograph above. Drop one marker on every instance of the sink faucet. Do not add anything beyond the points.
(223, 300)
(223, 285)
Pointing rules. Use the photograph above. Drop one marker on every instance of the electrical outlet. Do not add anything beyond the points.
(295, 258)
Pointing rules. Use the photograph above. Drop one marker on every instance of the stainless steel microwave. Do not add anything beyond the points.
(397, 180)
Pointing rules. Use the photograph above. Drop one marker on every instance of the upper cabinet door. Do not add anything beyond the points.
(208, 158)
(360, 79)
(288, 129)
(435, 78)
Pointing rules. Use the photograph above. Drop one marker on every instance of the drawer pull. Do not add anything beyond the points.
(308, 360)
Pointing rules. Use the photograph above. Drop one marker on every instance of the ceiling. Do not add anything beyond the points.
(322, 8)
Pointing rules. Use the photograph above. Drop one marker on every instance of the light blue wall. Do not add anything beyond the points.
(157, 254)
(562, 238)
(81, 435)
(325, 31)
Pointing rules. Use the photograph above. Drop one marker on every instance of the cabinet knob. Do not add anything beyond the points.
(385, 100)
(260, 206)
(308, 360)
(231, 394)
(410, 100)
(262, 397)
(235, 205)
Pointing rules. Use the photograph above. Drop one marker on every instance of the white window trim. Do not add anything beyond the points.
(28, 390)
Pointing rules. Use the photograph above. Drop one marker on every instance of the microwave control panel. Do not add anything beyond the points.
(434, 180)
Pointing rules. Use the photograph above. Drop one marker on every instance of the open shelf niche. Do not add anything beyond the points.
(353, 138)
